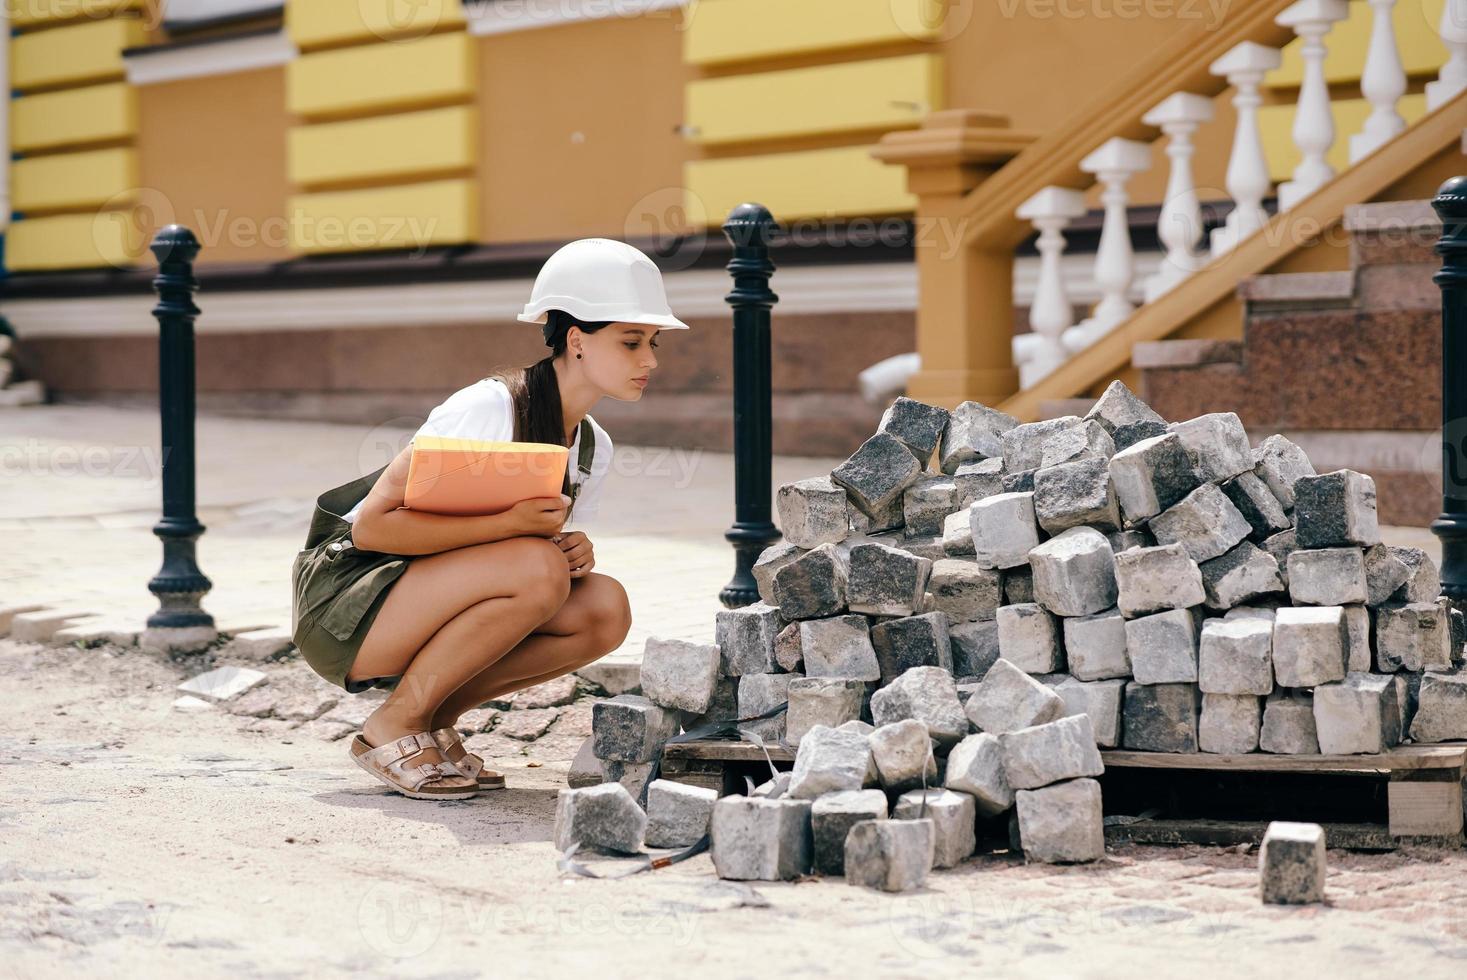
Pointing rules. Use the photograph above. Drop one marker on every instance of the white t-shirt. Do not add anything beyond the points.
(485, 411)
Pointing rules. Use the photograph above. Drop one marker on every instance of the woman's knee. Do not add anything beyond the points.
(545, 574)
(610, 611)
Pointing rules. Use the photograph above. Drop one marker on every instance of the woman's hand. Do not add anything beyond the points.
(540, 517)
(577, 550)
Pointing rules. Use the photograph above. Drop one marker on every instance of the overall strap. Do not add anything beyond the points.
(332, 505)
(584, 458)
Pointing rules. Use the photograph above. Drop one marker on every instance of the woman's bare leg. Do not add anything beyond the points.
(448, 617)
(591, 623)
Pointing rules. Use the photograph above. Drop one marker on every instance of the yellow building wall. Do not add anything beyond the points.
(88, 51)
(36, 13)
(319, 23)
(724, 31)
(73, 180)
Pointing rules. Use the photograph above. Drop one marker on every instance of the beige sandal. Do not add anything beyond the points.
(451, 744)
(425, 781)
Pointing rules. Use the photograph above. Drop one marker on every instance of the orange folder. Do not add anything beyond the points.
(466, 477)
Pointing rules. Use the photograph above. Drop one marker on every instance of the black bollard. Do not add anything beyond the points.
(179, 585)
(749, 227)
(1451, 527)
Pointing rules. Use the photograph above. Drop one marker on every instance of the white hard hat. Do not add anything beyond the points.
(597, 279)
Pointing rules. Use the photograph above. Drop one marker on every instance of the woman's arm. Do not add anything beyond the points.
(384, 525)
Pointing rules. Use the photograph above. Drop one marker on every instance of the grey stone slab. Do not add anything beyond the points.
(1327, 577)
(788, 654)
(630, 728)
(762, 693)
(830, 701)
(975, 767)
(1230, 723)
(1152, 476)
(1205, 522)
(974, 432)
(1008, 699)
(977, 480)
(957, 536)
(1163, 647)
(1029, 637)
(1415, 636)
(603, 818)
(1335, 510)
(1076, 494)
(926, 503)
(1102, 701)
(1359, 631)
(1385, 575)
(902, 753)
(928, 695)
(677, 814)
(890, 855)
(812, 512)
(839, 647)
(771, 560)
(1441, 708)
(1258, 505)
(812, 586)
(1291, 864)
(1360, 714)
(917, 425)
(1217, 444)
(678, 674)
(1243, 574)
(954, 819)
(885, 581)
(974, 647)
(1120, 413)
(1280, 464)
(1003, 530)
(1288, 725)
(831, 818)
(877, 473)
(1044, 754)
(1160, 717)
(964, 590)
(745, 638)
(1150, 580)
(1235, 656)
(1023, 445)
(756, 839)
(1095, 646)
(1309, 645)
(1088, 440)
(1062, 823)
(829, 761)
(912, 641)
(1074, 573)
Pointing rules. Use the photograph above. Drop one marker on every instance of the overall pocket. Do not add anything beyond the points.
(344, 613)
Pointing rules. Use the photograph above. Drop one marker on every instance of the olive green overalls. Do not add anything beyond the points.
(338, 589)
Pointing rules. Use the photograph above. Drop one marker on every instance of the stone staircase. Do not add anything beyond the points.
(1347, 364)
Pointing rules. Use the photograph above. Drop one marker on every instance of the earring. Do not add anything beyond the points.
(578, 357)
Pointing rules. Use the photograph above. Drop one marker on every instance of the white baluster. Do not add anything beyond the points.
(1114, 163)
(1051, 211)
(1314, 125)
(1248, 182)
(1453, 76)
(1180, 225)
(1382, 83)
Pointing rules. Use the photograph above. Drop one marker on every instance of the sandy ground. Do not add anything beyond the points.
(135, 840)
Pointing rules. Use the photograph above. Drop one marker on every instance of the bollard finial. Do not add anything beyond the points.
(1451, 198)
(174, 243)
(750, 226)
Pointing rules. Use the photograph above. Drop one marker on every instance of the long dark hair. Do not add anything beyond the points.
(538, 416)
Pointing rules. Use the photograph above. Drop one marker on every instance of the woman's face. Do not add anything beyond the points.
(620, 358)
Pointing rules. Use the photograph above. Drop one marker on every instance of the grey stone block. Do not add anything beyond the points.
(964, 590)
(957, 536)
(974, 432)
(1029, 638)
(771, 560)
(885, 581)
(1076, 494)
(839, 647)
(1335, 510)
(1251, 612)
(1244, 573)
(1124, 416)
(1205, 522)
(756, 839)
(678, 674)
(1385, 574)
(724, 706)
(877, 473)
(977, 480)
(831, 818)
(829, 701)
(745, 638)
(636, 777)
(1021, 482)
(1088, 440)
(890, 855)
(1259, 507)
(1416, 636)
(1309, 645)
(1062, 823)
(585, 768)
(902, 752)
(1048, 753)
(1003, 530)
(1163, 647)
(1150, 580)
(917, 425)
(1281, 546)
(1235, 656)
(926, 503)
(812, 512)
(1102, 701)
(677, 814)
(1280, 463)
(1423, 584)
(928, 695)
(774, 788)
(929, 548)
(1152, 476)
(912, 641)
(888, 517)
(630, 728)
(954, 819)
(974, 646)
(1230, 723)
(1160, 717)
(1217, 444)
(1009, 699)
(829, 761)
(812, 586)
(1441, 709)
(1074, 573)
(1291, 864)
(1327, 577)
(762, 693)
(602, 818)
(1018, 585)
(1023, 445)
(787, 652)
(1360, 714)
(1095, 646)
(975, 767)
(1359, 656)
(1126, 540)
(1288, 725)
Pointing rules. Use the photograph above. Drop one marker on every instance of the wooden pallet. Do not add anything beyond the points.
(1423, 784)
